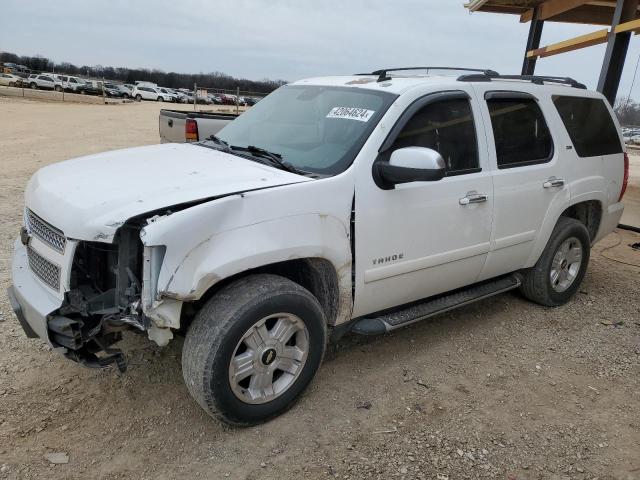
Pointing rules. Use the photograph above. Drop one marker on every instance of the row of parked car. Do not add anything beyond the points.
(631, 135)
(144, 91)
(67, 83)
(138, 92)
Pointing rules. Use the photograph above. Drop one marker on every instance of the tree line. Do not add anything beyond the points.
(216, 80)
(628, 112)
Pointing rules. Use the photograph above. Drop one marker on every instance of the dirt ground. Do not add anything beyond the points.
(500, 389)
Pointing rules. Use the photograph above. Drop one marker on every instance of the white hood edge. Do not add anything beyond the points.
(89, 198)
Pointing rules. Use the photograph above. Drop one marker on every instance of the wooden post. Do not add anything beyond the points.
(616, 52)
(533, 43)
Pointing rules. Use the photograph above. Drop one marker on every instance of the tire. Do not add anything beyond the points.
(12, 84)
(33, 86)
(218, 334)
(537, 284)
(125, 96)
(57, 88)
(83, 92)
(160, 99)
(138, 98)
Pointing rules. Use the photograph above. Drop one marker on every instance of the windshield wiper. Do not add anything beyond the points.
(274, 158)
(218, 141)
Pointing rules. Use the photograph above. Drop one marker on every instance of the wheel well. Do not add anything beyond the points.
(589, 213)
(315, 274)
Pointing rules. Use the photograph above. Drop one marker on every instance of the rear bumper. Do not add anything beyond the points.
(610, 219)
(31, 301)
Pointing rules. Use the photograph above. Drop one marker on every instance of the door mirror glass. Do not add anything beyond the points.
(410, 164)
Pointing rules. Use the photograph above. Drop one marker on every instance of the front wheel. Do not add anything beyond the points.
(125, 96)
(557, 275)
(57, 88)
(253, 349)
(160, 99)
(33, 86)
(138, 98)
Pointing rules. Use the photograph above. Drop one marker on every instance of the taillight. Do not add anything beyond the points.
(625, 176)
(191, 130)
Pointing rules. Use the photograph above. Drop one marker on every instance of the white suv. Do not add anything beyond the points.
(147, 92)
(360, 203)
(45, 81)
(168, 94)
(70, 83)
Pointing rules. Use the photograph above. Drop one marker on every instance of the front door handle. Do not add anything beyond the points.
(473, 198)
(553, 182)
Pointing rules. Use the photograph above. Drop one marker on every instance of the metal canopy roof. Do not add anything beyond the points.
(596, 12)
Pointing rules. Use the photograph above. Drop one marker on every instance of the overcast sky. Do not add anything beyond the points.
(287, 39)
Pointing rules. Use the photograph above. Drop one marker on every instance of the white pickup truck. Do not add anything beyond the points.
(178, 126)
(362, 203)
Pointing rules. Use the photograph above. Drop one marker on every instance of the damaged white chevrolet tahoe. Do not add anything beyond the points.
(361, 203)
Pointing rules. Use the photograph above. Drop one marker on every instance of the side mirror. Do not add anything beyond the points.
(410, 164)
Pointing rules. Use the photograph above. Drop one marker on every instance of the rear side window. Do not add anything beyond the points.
(447, 127)
(589, 125)
(520, 132)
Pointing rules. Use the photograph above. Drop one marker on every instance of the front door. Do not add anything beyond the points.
(424, 238)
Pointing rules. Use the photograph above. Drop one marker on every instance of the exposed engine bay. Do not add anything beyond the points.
(104, 300)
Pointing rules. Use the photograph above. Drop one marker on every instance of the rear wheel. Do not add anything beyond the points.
(125, 96)
(253, 349)
(160, 99)
(557, 275)
(138, 98)
(57, 88)
(33, 86)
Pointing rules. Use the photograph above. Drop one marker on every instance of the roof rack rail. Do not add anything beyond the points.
(537, 79)
(382, 74)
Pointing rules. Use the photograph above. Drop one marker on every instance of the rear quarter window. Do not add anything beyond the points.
(589, 125)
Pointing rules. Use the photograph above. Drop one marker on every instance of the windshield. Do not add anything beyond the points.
(317, 129)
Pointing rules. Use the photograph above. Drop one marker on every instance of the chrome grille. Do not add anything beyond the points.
(45, 270)
(45, 232)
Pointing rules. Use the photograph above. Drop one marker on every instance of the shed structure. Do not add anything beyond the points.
(618, 21)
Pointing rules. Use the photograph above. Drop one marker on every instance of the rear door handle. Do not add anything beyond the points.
(473, 198)
(553, 182)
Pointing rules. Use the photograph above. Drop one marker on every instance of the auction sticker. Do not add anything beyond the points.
(360, 114)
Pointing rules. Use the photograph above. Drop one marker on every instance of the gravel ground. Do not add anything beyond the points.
(499, 389)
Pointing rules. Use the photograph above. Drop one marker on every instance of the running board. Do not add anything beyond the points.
(429, 308)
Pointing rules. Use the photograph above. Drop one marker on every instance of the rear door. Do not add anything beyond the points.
(45, 81)
(529, 174)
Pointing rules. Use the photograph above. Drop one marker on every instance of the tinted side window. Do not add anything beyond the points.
(520, 132)
(447, 127)
(589, 125)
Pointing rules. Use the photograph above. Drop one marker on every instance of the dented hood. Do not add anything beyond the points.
(88, 198)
